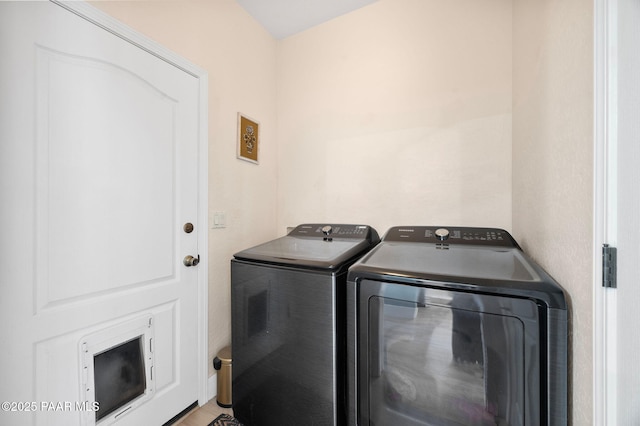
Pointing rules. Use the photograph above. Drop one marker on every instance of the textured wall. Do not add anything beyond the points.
(398, 113)
(552, 162)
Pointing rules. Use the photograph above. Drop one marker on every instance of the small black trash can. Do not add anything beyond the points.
(222, 363)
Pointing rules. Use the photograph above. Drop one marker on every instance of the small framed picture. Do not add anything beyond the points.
(248, 138)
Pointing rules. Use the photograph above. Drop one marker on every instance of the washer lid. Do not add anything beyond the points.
(488, 266)
(317, 246)
(470, 263)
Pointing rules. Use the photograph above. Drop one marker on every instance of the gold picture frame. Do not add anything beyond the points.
(248, 138)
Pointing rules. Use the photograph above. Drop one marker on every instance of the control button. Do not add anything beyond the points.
(326, 230)
(442, 234)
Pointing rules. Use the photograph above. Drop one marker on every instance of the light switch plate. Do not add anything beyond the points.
(218, 220)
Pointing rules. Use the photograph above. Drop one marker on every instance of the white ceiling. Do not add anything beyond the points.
(283, 18)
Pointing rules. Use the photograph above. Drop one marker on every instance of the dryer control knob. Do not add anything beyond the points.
(442, 234)
(326, 230)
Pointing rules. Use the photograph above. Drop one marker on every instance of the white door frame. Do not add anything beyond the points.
(117, 28)
(605, 155)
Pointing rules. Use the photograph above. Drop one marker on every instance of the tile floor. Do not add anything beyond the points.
(202, 416)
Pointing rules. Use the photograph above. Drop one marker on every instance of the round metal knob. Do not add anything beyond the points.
(191, 261)
(326, 230)
(442, 234)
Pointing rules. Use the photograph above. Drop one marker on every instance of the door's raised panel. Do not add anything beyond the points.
(105, 142)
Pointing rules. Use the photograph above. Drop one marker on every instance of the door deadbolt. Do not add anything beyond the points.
(191, 261)
(188, 227)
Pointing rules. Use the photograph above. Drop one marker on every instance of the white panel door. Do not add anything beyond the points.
(617, 313)
(99, 172)
(627, 228)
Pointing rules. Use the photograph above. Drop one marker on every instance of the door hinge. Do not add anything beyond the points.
(609, 266)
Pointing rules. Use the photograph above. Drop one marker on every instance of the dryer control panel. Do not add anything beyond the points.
(451, 235)
(323, 230)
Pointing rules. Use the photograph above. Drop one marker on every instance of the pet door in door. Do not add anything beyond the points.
(117, 369)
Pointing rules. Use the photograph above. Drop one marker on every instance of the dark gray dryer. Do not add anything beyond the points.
(288, 322)
(455, 326)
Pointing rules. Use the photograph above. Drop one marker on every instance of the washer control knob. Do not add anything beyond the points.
(326, 230)
(442, 234)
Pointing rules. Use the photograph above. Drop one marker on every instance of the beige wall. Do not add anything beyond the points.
(397, 114)
(552, 161)
(239, 56)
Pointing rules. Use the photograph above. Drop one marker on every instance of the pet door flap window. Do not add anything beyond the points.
(117, 369)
